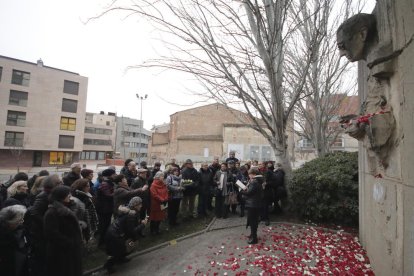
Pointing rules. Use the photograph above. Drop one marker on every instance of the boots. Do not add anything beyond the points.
(252, 239)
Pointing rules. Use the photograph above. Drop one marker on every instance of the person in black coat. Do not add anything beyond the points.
(105, 203)
(190, 192)
(63, 236)
(206, 183)
(253, 196)
(279, 191)
(13, 247)
(33, 222)
(269, 188)
(126, 227)
(18, 194)
(73, 175)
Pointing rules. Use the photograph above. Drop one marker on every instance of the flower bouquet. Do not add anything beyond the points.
(186, 183)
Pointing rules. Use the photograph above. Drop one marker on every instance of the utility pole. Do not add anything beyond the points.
(140, 126)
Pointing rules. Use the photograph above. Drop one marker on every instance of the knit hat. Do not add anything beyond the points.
(86, 172)
(108, 172)
(188, 161)
(134, 201)
(59, 193)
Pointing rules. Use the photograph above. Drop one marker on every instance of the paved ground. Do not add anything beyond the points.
(283, 249)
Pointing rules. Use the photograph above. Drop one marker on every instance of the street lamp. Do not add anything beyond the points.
(140, 126)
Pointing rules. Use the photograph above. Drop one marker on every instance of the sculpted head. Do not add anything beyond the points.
(356, 35)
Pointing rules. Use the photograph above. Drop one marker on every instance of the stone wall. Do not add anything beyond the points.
(387, 201)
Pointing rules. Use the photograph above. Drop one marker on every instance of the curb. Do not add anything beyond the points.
(158, 246)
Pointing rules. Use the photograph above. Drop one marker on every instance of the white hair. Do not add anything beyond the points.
(12, 190)
(13, 214)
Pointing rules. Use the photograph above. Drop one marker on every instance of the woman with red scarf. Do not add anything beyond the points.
(159, 200)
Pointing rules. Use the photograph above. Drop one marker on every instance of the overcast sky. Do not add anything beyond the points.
(101, 50)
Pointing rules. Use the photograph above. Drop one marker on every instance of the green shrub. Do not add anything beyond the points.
(326, 189)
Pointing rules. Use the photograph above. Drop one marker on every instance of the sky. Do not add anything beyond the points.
(56, 31)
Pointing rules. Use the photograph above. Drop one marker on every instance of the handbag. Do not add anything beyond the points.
(231, 198)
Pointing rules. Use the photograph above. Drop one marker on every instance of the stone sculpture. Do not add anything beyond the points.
(357, 39)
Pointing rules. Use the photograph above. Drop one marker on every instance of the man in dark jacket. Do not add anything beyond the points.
(279, 189)
(214, 167)
(190, 192)
(253, 196)
(131, 173)
(232, 157)
(206, 183)
(73, 175)
(105, 203)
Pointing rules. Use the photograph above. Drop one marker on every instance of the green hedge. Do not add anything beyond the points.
(326, 189)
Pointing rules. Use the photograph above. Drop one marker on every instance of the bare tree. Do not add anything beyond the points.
(236, 49)
(327, 84)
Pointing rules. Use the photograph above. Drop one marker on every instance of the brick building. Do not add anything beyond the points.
(204, 132)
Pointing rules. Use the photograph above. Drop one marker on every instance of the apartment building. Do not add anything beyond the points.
(42, 114)
(99, 137)
(131, 139)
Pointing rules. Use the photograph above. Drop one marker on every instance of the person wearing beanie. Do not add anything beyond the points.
(189, 173)
(63, 236)
(159, 200)
(73, 175)
(125, 167)
(105, 203)
(124, 231)
(88, 174)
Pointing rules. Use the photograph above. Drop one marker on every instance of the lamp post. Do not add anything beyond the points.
(140, 126)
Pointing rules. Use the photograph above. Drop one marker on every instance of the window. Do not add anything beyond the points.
(266, 153)
(66, 141)
(16, 118)
(67, 123)
(1, 72)
(60, 158)
(18, 98)
(14, 139)
(71, 87)
(101, 155)
(98, 130)
(69, 105)
(254, 153)
(98, 142)
(305, 143)
(20, 78)
(338, 143)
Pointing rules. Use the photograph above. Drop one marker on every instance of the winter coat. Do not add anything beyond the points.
(70, 178)
(191, 174)
(228, 181)
(13, 251)
(130, 176)
(206, 181)
(63, 241)
(122, 195)
(140, 182)
(173, 185)
(105, 197)
(269, 185)
(33, 222)
(126, 226)
(90, 216)
(159, 195)
(253, 194)
(18, 199)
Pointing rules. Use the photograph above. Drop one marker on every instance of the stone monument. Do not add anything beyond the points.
(382, 43)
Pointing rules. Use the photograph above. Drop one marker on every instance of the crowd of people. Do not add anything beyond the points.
(46, 221)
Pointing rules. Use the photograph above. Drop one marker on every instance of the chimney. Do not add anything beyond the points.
(102, 113)
(40, 62)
